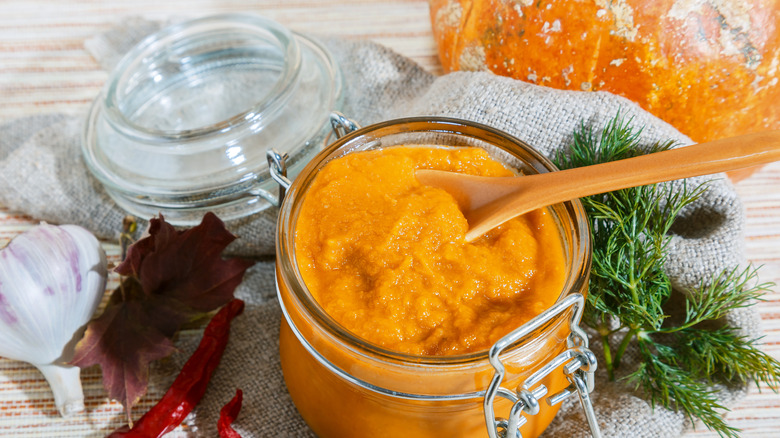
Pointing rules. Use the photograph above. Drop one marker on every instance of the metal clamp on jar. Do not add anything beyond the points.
(345, 386)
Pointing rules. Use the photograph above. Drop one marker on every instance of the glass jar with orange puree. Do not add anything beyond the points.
(418, 370)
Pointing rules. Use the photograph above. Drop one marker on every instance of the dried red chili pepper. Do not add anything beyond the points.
(228, 414)
(190, 385)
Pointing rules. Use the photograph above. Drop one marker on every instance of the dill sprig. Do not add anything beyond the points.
(682, 355)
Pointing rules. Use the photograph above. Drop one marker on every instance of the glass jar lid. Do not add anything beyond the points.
(186, 117)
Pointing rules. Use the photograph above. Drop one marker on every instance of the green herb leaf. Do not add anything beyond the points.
(629, 292)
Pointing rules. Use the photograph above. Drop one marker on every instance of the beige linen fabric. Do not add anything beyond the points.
(43, 175)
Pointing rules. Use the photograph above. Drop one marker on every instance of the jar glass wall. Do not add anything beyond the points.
(344, 386)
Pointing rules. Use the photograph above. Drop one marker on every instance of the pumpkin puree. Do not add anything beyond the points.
(386, 256)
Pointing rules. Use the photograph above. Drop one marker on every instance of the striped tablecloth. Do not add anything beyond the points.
(44, 68)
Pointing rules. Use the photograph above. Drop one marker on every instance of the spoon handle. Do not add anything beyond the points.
(520, 195)
(699, 159)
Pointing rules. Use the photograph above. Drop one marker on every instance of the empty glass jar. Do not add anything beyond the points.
(186, 117)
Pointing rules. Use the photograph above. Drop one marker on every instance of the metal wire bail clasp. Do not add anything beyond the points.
(277, 165)
(341, 124)
(578, 362)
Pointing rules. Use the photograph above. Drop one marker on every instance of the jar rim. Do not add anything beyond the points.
(581, 253)
(176, 35)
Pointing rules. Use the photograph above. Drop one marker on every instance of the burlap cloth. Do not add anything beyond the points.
(42, 174)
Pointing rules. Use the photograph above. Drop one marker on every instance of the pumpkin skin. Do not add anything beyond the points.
(710, 68)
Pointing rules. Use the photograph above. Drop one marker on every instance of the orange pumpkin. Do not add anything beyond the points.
(708, 67)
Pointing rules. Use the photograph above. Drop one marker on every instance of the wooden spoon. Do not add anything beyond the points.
(488, 201)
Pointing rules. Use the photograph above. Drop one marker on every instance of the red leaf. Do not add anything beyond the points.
(123, 341)
(228, 414)
(190, 385)
(186, 265)
(171, 277)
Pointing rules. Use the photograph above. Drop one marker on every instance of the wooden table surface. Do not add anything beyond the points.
(44, 68)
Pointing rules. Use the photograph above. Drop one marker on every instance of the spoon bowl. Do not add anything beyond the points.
(487, 202)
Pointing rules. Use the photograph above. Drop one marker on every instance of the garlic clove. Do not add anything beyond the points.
(52, 279)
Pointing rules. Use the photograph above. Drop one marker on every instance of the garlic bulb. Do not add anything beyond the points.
(51, 280)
